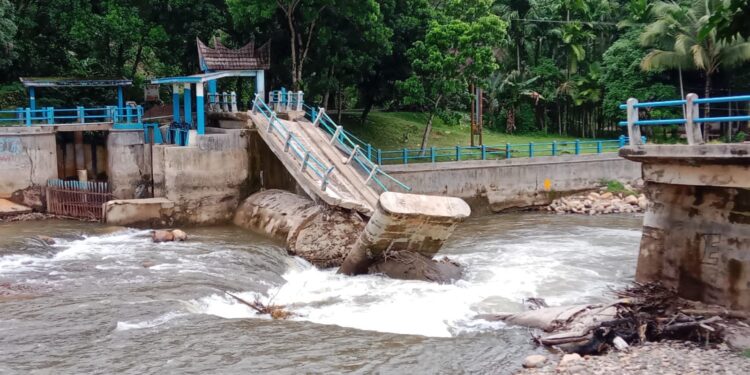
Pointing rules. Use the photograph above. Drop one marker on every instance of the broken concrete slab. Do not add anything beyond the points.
(148, 212)
(8, 208)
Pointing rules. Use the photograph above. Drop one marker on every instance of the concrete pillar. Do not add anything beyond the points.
(126, 163)
(32, 99)
(212, 92)
(260, 83)
(405, 222)
(175, 103)
(188, 105)
(199, 116)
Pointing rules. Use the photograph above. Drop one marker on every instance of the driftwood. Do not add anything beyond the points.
(275, 311)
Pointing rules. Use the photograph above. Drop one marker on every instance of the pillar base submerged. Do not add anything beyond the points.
(696, 232)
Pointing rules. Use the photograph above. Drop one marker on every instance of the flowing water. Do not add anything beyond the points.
(105, 300)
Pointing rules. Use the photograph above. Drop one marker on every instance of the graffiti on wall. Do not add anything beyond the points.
(10, 148)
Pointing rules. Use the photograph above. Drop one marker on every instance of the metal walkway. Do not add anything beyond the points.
(323, 164)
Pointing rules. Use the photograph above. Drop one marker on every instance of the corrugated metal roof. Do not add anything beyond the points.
(73, 82)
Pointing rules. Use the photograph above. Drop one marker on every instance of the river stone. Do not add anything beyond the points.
(31, 197)
(409, 265)
(162, 236)
(569, 359)
(534, 361)
(179, 235)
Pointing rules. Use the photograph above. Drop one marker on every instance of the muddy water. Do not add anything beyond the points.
(103, 300)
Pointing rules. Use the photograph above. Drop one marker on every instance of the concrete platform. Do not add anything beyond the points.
(8, 208)
(149, 212)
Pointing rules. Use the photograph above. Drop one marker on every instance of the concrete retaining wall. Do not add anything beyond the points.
(28, 157)
(128, 164)
(516, 183)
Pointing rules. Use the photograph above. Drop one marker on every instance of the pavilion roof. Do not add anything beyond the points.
(74, 82)
(246, 57)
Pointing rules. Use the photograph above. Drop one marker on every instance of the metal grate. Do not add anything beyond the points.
(84, 200)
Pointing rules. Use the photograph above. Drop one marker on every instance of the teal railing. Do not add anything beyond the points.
(691, 116)
(355, 149)
(292, 144)
(122, 117)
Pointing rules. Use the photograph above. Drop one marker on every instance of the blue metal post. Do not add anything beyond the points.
(406, 156)
(554, 148)
(598, 147)
(32, 98)
(507, 150)
(260, 84)
(28, 116)
(120, 97)
(380, 157)
(20, 112)
(531, 149)
(50, 115)
(578, 147)
(458, 153)
(212, 91)
(369, 152)
(432, 154)
(188, 96)
(484, 152)
(200, 118)
(622, 141)
(81, 115)
(175, 103)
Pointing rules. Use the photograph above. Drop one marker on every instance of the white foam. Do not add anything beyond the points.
(125, 326)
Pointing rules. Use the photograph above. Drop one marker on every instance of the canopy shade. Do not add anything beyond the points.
(73, 82)
(205, 77)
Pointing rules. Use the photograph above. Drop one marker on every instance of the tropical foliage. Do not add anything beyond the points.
(545, 66)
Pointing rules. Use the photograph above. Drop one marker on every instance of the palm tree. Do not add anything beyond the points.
(510, 90)
(681, 42)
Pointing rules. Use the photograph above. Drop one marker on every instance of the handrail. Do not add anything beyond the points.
(79, 115)
(690, 116)
(354, 150)
(299, 151)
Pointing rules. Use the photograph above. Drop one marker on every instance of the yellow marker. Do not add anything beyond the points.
(547, 184)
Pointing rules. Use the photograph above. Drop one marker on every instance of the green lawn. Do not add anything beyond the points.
(397, 130)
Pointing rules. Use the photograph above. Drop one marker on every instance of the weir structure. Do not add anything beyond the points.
(696, 232)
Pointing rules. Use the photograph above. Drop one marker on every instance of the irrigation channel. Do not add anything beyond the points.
(104, 300)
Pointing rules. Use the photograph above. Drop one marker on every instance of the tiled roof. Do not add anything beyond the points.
(243, 58)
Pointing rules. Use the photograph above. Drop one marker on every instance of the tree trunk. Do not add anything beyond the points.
(427, 130)
(292, 45)
(138, 55)
(366, 111)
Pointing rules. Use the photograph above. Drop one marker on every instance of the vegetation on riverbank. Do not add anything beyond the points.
(395, 130)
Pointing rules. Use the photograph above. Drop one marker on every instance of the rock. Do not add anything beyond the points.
(409, 265)
(631, 199)
(179, 235)
(619, 343)
(643, 203)
(534, 361)
(569, 359)
(594, 196)
(46, 240)
(162, 236)
(31, 197)
(148, 263)
(607, 195)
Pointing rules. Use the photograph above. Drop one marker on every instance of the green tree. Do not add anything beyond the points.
(7, 32)
(457, 51)
(681, 26)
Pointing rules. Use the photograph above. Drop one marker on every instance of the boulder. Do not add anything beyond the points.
(409, 265)
(46, 240)
(32, 197)
(179, 235)
(607, 195)
(569, 359)
(534, 361)
(162, 236)
(632, 200)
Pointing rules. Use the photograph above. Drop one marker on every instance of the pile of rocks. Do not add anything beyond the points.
(597, 203)
(667, 357)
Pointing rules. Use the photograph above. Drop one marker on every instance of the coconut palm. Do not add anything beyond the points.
(680, 44)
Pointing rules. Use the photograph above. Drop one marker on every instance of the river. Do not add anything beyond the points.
(105, 300)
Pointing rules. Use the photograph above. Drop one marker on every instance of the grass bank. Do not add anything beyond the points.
(396, 130)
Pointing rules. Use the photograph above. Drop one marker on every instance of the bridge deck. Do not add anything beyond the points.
(344, 186)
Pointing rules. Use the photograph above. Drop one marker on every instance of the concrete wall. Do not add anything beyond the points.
(516, 183)
(128, 164)
(207, 179)
(696, 233)
(266, 170)
(28, 157)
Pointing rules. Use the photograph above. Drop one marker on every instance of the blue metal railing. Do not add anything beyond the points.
(292, 143)
(123, 117)
(691, 116)
(353, 147)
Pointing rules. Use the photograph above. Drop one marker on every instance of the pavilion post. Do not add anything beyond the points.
(120, 98)
(260, 83)
(212, 92)
(188, 104)
(32, 98)
(176, 103)
(199, 116)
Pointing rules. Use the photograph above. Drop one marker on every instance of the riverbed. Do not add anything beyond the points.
(104, 300)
